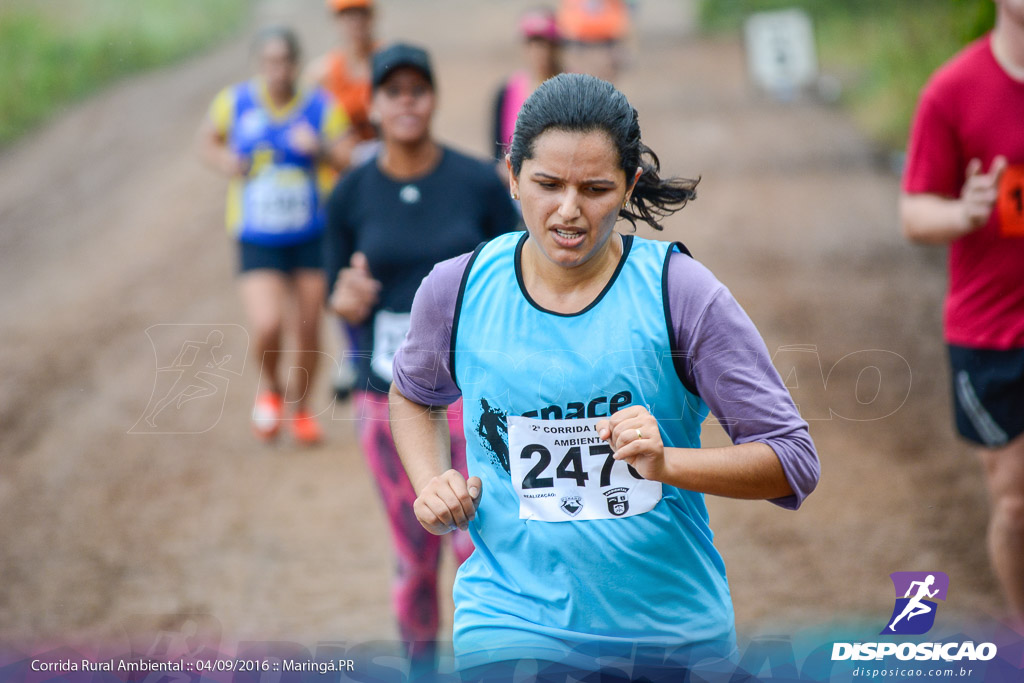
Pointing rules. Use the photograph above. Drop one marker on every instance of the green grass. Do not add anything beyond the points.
(883, 51)
(55, 51)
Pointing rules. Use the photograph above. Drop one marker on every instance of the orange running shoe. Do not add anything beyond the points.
(266, 415)
(306, 429)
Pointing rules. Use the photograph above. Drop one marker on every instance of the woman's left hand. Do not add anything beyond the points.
(634, 436)
(303, 139)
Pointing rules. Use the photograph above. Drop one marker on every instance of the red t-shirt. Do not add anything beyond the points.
(971, 108)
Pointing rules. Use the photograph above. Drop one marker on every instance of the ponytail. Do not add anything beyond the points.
(654, 197)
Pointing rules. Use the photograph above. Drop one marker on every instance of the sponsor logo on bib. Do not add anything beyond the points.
(618, 501)
(571, 505)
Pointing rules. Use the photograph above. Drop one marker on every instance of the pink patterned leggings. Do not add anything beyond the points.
(414, 592)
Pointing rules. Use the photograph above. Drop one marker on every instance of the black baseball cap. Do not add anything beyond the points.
(397, 56)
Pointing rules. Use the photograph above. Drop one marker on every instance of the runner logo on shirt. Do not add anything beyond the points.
(492, 428)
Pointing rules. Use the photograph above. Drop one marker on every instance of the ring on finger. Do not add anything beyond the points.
(639, 434)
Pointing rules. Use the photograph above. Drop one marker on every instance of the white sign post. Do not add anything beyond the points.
(780, 52)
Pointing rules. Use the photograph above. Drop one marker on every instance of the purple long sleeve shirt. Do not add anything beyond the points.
(725, 362)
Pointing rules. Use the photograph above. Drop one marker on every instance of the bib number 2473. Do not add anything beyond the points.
(562, 471)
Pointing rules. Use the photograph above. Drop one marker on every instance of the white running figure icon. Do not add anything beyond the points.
(191, 368)
(915, 607)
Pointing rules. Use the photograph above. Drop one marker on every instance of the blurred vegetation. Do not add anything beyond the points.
(56, 51)
(882, 51)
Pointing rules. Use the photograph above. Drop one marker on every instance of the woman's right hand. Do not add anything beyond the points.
(355, 293)
(234, 164)
(980, 192)
(447, 502)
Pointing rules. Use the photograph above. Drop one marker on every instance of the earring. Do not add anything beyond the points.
(624, 202)
(515, 196)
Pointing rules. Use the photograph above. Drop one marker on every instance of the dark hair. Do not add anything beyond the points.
(282, 33)
(580, 103)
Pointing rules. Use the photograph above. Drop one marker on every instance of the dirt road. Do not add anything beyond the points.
(112, 257)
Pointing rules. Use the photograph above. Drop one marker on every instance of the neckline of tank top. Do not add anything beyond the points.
(627, 244)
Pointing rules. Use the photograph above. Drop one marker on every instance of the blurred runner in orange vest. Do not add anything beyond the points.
(593, 31)
(345, 72)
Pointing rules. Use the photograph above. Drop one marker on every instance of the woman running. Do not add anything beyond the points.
(345, 72)
(270, 137)
(388, 222)
(586, 361)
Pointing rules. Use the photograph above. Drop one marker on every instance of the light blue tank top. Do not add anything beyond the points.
(542, 589)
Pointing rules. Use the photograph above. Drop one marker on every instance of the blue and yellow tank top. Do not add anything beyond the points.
(279, 201)
(599, 575)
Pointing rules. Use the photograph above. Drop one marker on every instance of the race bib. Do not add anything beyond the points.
(279, 200)
(1011, 202)
(389, 330)
(563, 472)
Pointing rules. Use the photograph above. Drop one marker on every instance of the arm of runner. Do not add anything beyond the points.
(332, 144)
(213, 135)
(934, 219)
(422, 365)
(356, 291)
(723, 359)
(750, 470)
(423, 378)
(445, 500)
